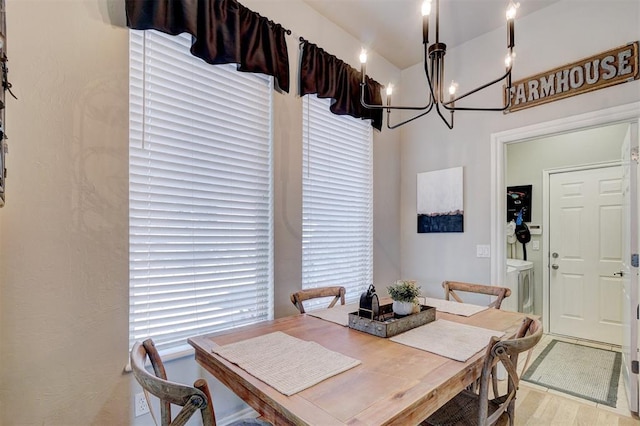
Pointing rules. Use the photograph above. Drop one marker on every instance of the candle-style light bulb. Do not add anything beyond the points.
(389, 92)
(426, 7)
(363, 56)
(511, 10)
(363, 66)
(426, 10)
(452, 88)
(508, 60)
(452, 91)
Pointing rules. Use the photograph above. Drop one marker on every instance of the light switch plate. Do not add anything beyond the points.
(483, 250)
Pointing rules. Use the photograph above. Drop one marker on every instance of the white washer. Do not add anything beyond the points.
(511, 303)
(524, 293)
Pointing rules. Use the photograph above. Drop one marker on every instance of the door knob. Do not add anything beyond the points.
(620, 274)
(554, 255)
(554, 266)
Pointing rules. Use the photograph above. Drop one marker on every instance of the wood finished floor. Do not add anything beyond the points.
(537, 405)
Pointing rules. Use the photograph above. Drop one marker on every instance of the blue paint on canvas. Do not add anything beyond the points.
(440, 223)
(440, 201)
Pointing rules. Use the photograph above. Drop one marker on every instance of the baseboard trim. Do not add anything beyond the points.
(245, 413)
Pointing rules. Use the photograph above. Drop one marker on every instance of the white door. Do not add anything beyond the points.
(585, 287)
(630, 230)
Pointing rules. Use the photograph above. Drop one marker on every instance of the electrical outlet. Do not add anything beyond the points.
(140, 402)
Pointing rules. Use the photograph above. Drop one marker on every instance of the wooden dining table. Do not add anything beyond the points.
(394, 385)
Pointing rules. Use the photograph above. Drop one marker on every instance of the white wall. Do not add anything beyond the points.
(551, 37)
(526, 162)
(64, 229)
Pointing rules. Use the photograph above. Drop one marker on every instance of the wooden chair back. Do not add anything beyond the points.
(473, 406)
(505, 352)
(337, 292)
(191, 399)
(451, 287)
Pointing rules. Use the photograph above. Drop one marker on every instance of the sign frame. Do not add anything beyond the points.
(575, 78)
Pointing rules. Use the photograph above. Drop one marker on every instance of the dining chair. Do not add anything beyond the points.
(471, 408)
(451, 287)
(190, 398)
(337, 292)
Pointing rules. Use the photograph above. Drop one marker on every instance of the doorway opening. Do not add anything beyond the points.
(499, 143)
(630, 114)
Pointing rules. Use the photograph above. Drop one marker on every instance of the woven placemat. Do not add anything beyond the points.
(456, 308)
(338, 314)
(286, 363)
(578, 370)
(449, 339)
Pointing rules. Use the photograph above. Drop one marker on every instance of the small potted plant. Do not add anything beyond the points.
(405, 296)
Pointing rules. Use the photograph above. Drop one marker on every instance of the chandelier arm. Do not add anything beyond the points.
(449, 125)
(437, 102)
(431, 99)
(426, 71)
(484, 86)
(389, 107)
(389, 126)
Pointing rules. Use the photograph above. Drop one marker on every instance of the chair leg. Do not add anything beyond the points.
(511, 412)
(526, 362)
(494, 381)
(208, 414)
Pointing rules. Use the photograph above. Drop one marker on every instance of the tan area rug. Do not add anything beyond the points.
(578, 370)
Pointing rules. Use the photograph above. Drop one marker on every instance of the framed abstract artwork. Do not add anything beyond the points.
(440, 201)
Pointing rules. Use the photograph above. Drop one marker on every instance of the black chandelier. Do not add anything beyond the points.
(434, 70)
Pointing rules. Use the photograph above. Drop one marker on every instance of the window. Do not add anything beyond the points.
(337, 200)
(200, 203)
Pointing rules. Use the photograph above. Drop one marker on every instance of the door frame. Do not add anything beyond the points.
(629, 113)
(546, 213)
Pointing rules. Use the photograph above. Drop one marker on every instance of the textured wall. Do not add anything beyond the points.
(64, 265)
(64, 229)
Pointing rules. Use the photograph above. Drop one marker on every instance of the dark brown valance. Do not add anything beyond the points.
(330, 77)
(223, 31)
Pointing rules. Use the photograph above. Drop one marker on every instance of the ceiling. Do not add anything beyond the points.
(393, 28)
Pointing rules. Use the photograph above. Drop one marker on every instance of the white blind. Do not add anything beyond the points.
(337, 200)
(200, 193)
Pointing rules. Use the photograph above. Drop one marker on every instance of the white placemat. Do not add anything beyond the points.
(447, 338)
(338, 314)
(453, 307)
(286, 363)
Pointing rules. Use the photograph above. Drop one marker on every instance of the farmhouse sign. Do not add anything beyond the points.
(605, 69)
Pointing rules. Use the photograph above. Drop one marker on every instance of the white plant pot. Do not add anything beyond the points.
(402, 308)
